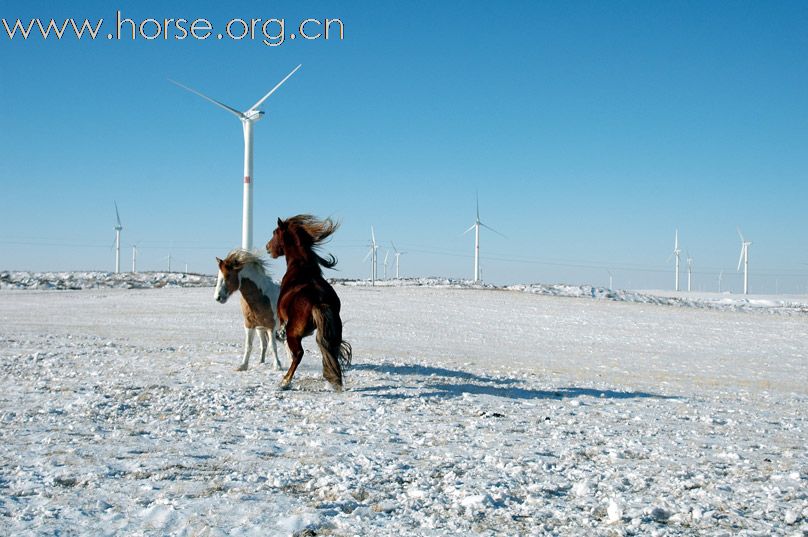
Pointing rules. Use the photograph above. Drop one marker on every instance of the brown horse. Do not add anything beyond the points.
(308, 302)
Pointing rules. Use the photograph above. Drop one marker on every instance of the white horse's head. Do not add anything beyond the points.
(228, 281)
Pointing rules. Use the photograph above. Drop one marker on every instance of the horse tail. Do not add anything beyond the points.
(336, 352)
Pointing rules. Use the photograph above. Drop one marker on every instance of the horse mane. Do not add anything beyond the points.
(241, 257)
(311, 232)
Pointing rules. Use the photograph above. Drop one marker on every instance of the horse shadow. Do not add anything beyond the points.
(429, 371)
(437, 385)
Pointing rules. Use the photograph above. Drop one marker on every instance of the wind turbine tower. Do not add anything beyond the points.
(398, 259)
(248, 118)
(476, 227)
(386, 255)
(675, 254)
(372, 255)
(689, 271)
(134, 258)
(745, 244)
(118, 228)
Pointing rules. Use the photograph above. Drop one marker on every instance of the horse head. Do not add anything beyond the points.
(275, 245)
(228, 281)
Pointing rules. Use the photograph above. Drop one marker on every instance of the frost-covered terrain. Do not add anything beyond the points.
(774, 304)
(95, 280)
(468, 411)
(778, 304)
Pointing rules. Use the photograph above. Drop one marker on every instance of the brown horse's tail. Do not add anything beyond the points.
(336, 352)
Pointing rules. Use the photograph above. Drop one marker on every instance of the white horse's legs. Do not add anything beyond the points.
(248, 339)
(262, 336)
(277, 365)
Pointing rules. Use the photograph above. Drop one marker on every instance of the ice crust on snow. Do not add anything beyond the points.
(467, 412)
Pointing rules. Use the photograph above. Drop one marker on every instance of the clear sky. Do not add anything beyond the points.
(591, 131)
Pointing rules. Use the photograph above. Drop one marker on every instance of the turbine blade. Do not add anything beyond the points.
(469, 229)
(117, 216)
(278, 85)
(367, 255)
(740, 259)
(394, 246)
(676, 240)
(494, 230)
(740, 235)
(214, 101)
(373, 236)
(477, 195)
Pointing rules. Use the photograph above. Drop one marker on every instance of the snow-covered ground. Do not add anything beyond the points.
(468, 411)
(94, 280)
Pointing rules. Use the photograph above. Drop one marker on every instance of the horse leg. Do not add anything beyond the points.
(295, 348)
(248, 339)
(277, 365)
(262, 336)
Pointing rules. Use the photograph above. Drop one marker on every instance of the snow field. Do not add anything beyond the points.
(467, 412)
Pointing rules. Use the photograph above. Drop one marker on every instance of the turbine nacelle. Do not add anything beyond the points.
(253, 115)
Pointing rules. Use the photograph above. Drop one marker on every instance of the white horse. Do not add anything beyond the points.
(246, 272)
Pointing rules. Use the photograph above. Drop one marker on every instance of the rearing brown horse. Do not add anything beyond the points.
(308, 302)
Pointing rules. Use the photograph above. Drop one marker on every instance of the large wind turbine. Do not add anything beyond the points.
(247, 118)
(675, 254)
(398, 258)
(118, 228)
(745, 260)
(372, 254)
(476, 227)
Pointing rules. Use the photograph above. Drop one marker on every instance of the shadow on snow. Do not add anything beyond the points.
(476, 385)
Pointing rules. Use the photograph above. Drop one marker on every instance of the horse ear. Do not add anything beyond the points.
(280, 223)
(219, 262)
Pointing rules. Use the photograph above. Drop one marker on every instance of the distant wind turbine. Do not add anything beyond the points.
(386, 255)
(476, 227)
(689, 270)
(744, 258)
(372, 255)
(248, 118)
(675, 254)
(134, 258)
(118, 228)
(720, 277)
(398, 258)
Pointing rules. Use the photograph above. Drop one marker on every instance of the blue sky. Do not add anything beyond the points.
(591, 130)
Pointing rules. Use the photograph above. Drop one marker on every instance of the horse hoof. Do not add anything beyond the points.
(280, 333)
(242, 367)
